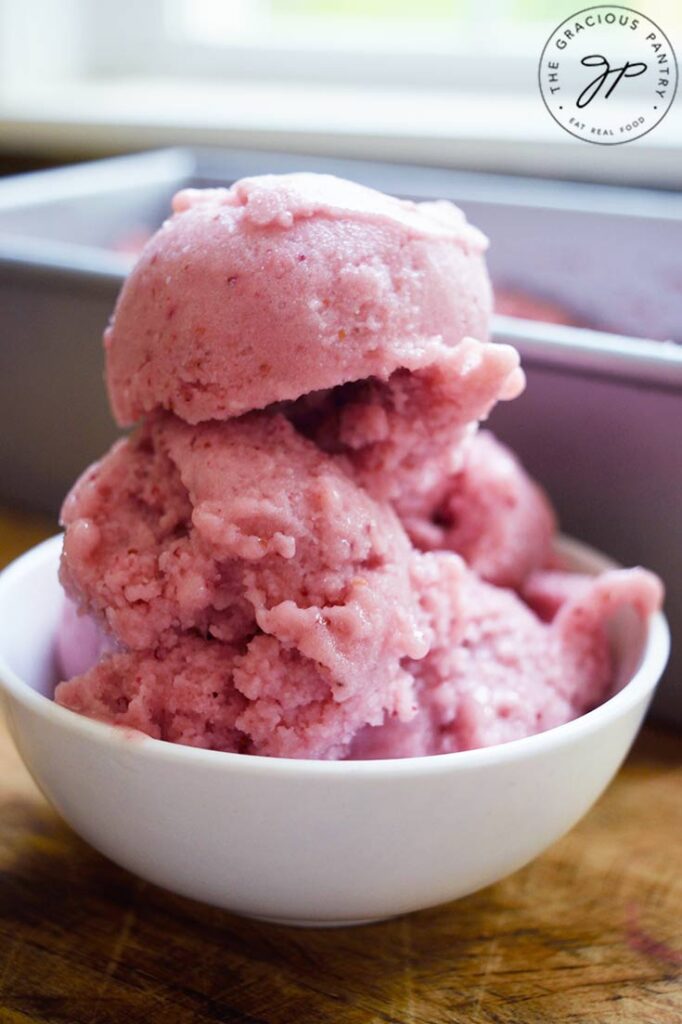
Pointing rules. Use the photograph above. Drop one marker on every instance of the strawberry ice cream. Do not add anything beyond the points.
(245, 534)
(307, 548)
(283, 285)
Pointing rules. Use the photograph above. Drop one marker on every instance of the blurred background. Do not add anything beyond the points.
(447, 82)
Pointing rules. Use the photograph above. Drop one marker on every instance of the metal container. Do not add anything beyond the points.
(600, 423)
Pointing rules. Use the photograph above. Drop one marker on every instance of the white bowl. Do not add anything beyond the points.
(307, 842)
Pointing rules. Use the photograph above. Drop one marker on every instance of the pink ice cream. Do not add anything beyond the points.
(492, 513)
(508, 674)
(244, 534)
(80, 642)
(283, 285)
(307, 549)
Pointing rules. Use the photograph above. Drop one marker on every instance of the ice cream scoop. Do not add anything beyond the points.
(283, 285)
(242, 547)
(507, 674)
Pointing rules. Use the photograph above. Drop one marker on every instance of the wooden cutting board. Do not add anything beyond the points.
(591, 932)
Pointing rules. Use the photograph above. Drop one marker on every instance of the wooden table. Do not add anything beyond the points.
(590, 932)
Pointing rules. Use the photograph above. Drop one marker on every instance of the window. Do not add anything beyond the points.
(463, 44)
(450, 82)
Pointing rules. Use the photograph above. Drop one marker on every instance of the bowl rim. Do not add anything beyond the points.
(636, 691)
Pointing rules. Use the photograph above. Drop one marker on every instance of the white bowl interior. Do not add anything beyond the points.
(29, 615)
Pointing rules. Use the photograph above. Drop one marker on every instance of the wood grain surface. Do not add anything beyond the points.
(590, 932)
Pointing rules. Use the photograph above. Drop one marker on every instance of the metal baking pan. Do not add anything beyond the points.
(600, 423)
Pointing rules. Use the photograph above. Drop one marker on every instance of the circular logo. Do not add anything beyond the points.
(608, 75)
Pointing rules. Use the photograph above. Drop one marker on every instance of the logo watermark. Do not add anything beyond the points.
(608, 74)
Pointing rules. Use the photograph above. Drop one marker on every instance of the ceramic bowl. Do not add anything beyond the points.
(309, 842)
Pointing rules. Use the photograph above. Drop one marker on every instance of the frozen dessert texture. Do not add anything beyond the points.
(406, 435)
(507, 673)
(308, 548)
(492, 514)
(245, 534)
(283, 285)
